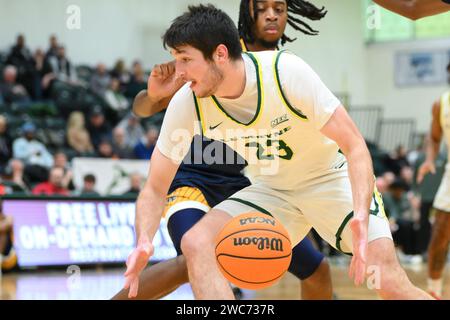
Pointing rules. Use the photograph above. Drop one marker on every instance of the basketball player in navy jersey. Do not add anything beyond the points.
(199, 187)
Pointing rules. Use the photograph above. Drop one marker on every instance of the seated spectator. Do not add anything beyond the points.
(40, 67)
(5, 144)
(4, 189)
(62, 68)
(120, 72)
(53, 49)
(89, 186)
(402, 208)
(100, 80)
(115, 99)
(135, 185)
(16, 172)
(11, 91)
(144, 149)
(54, 185)
(60, 161)
(133, 130)
(21, 57)
(9, 258)
(98, 128)
(120, 149)
(78, 137)
(105, 150)
(33, 154)
(138, 81)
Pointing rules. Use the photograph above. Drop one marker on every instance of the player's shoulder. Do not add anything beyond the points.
(183, 96)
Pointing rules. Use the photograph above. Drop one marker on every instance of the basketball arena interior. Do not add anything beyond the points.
(74, 157)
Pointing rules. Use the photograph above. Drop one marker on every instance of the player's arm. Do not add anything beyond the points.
(344, 132)
(415, 9)
(161, 86)
(433, 142)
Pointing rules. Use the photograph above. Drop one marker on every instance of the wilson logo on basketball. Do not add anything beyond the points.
(273, 244)
(246, 221)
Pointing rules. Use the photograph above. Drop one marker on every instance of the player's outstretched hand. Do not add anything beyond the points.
(425, 168)
(163, 81)
(136, 262)
(360, 243)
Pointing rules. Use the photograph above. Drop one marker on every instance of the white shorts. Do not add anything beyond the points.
(324, 204)
(442, 199)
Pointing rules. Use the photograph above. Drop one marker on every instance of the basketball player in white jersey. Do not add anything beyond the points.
(415, 9)
(276, 113)
(440, 237)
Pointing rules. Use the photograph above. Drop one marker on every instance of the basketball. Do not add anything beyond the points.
(253, 251)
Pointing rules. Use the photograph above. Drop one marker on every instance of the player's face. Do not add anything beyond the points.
(271, 20)
(191, 66)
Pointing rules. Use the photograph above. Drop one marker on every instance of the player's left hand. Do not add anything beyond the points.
(136, 262)
(360, 244)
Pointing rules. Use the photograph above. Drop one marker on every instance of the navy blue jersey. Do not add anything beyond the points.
(204, 168)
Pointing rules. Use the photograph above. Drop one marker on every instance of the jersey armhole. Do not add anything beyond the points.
(280, 88)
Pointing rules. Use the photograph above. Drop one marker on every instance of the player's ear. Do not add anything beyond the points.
(221, 54)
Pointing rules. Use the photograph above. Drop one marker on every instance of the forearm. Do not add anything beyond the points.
(149, 209)
(433, 146)
(146, 106)
(362, 180)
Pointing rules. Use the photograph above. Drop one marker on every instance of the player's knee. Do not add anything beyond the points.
(193, 242)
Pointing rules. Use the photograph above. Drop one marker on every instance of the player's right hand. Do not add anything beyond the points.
(136, 262)
(425, 168)
(163, 81)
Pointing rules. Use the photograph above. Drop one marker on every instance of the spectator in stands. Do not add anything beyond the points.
(33, 154)
(402, 208)
(54, 185)
(4, 189)
(144, 149)
(53, 49)
(133, 129)
(98, 128)
(105, 150)
(60, 161)
(16, 173)
(62, 68)
(138, 81)
(5, 144)
(89, 181)
(396, 161)
(120, 148)
(21, 57)
(12, 91)
(120, 72)
(135, 185)
(100, 80)
(115, 99)
(78, 137)
(39, 65)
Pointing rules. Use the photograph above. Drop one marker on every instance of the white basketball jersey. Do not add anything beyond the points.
(281, 145)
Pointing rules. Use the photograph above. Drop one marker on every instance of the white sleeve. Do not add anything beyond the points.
(179, 126)
(305, 91)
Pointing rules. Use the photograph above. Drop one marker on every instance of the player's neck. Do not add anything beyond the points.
(234, 81)
(257, 46)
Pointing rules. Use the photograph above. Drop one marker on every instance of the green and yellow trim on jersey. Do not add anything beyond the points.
(445, 104)
(260, 102)
(283, 97)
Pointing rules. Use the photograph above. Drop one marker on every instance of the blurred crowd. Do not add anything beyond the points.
(52, 111)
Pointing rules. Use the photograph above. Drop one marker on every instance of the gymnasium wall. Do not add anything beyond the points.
(132, 29)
